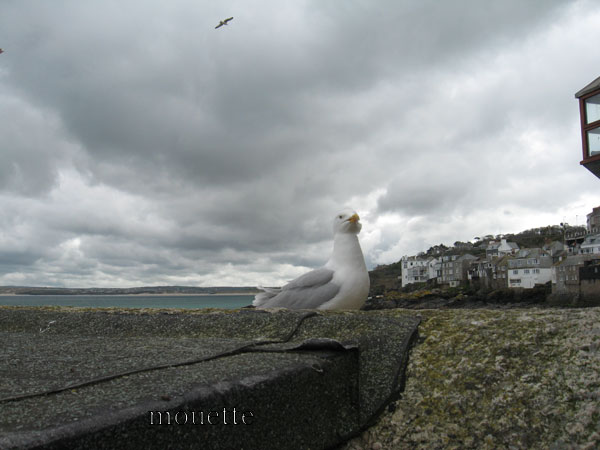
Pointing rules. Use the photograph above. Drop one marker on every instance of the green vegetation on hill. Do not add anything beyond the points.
(385, 278)
(538, 237)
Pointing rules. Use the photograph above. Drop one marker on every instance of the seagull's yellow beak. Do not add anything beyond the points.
(354, 218)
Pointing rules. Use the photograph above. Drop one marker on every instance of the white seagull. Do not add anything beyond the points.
(223, 22)
(342, 283)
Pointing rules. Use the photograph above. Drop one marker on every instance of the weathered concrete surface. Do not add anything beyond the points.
(72, 378)
(491, 379)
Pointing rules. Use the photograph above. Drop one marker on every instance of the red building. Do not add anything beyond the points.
(589, 111)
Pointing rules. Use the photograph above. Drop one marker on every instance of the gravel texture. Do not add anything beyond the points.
(517, 378)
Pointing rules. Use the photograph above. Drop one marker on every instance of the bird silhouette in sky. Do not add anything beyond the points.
(223, 22)
(1, 51)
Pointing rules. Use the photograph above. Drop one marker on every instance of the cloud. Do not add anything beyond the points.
(142, 146)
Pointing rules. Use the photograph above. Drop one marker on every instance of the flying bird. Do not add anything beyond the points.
(342, 283)
(223, 22)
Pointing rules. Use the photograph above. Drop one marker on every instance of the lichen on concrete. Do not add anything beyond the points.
(521, 378)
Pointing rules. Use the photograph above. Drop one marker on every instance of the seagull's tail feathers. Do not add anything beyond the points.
(266, 295)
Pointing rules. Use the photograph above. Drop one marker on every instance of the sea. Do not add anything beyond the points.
(131, 301)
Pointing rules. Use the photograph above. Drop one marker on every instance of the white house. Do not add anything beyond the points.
(418, 270)
(501, 248)
(529, 267)
(529, 277)
(591, 245)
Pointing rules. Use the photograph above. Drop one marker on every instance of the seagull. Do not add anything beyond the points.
(342, 283)
(223, 22)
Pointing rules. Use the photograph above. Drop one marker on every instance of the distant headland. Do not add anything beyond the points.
(144, 290)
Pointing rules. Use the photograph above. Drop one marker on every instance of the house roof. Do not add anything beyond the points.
(502, 261)
(573, 260)
(591, 240)
(589, 88)
(535, 252)
(555, 245)
(494, 245)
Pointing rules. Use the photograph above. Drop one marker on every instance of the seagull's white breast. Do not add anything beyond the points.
(350, 273)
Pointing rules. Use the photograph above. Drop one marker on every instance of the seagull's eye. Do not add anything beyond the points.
(340, 217)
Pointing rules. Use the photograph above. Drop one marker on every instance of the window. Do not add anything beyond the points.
(526, 270)
(516, 272)
(591, 126)
(592, 109)
(593, 141)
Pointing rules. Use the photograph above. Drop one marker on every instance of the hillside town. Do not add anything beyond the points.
(571, 264)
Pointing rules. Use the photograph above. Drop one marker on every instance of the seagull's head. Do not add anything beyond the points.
(346, 221)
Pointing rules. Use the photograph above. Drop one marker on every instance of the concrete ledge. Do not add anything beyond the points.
(297, 379)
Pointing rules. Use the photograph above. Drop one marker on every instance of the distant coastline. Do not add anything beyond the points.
(135, 291)
(220, 294)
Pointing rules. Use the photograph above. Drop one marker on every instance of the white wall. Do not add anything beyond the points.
(530, 279)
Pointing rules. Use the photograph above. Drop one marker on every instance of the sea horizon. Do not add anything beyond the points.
(159, 301)
(149, 294)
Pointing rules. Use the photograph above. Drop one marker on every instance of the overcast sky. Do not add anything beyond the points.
(139, 145)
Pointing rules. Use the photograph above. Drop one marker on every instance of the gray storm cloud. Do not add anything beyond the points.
(142, 146)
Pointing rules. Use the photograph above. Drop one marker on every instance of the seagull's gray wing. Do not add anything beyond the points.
(265, 295)
(220, 25)
(309, 291)
(227, 20)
